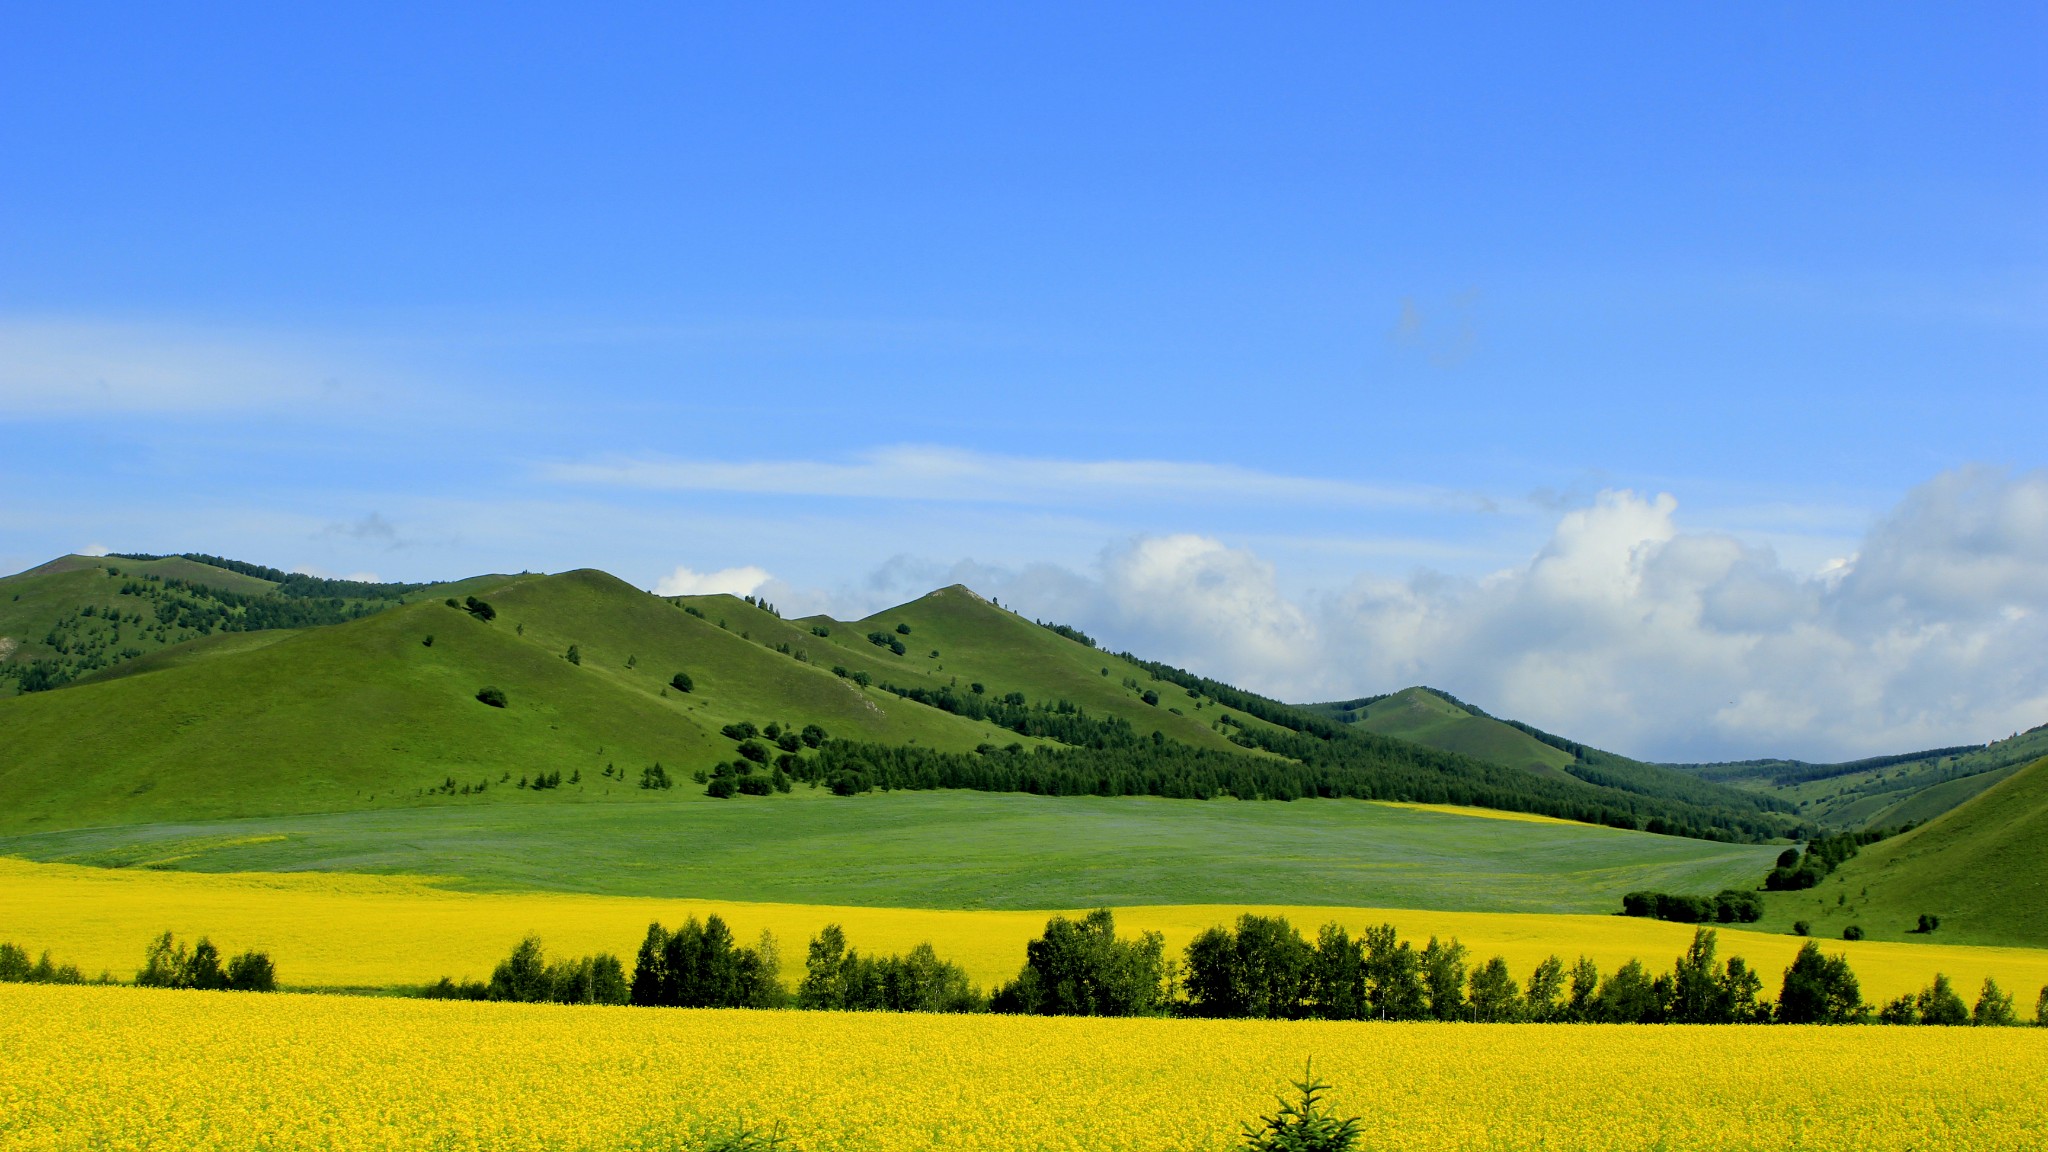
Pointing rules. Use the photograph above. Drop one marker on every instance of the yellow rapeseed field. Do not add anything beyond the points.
(123, 1068)
(328, 930)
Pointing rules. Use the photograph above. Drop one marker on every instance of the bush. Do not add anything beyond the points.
(740, 731)
(252, 972)
(574, 655)
(753, 750)
(1081, 968)
(1853, 932)
(903, 629)
(681, 682)
(1801, 928)
(446, 989)
(812, 735)
(655, 776)
(720, 787)
(527, 977)
(1927, 923)
(495, 697)
(1150, 697)
(1303, 1125)
(481, 610)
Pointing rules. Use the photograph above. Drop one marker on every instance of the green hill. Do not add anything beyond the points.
(76, 615)
(368, 714)
(1981, 867)
(1438, 720)
(1883, 791)
(1428, 717)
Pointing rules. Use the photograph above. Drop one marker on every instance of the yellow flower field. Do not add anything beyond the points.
(328, 930)
(124, 1068)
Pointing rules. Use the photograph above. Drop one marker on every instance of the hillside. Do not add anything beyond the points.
(1438, 720)
(1883, 791)
(252, 717)
(1428, 717)
(369, 713)
(1981, 867)
(77, 615)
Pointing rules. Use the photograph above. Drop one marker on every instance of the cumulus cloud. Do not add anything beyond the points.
(731, 581)
(1628, 631)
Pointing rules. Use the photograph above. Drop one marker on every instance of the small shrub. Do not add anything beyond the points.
(482, 610)
(1150, 697)
(428, 642)
(1303, 1125)
(813, 735)
(574, 655)
(753, 750)
(1801, 928)
(681, 682)
(721, 787)
(903, 629)
(1853, 932)
(495, 697)
(1928, 923)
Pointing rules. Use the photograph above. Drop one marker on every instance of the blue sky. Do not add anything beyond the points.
(1277, 340)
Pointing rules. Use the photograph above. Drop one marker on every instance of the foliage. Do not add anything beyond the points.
(836, 977)
(1081, 968)
(16, 969)
(1729, 906)
(168, 964)
(527, 976)
(681, 682)
(702, 966)
(1819, 990)
(1303, 1125)
(495, 697)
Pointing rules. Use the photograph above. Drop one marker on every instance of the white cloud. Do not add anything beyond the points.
(94, 550)
(1630, 632)
(945, 474)
(732, 581)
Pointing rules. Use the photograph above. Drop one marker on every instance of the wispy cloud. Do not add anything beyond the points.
(914, 472)
(61, 367)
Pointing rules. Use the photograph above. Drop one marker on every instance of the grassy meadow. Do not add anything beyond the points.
(951, 849)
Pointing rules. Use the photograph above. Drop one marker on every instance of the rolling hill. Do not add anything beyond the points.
(1981, 867)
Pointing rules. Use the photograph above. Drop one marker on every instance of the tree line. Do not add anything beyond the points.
(1261, 967)
(167, 963)
(1302, 768)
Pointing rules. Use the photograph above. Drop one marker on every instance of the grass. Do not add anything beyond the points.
(956, 850)
(367, 714)
(1982, 868)
(1423, 717)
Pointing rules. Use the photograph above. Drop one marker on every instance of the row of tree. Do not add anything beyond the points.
(1302, 767)
(167, 963)
(1262, 967)
(1728, 906)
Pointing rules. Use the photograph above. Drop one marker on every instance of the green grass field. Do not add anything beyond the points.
(957, 850)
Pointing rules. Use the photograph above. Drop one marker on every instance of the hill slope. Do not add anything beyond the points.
(1981, 867)
(369, 714)
(1883, 791)
(1438, 720)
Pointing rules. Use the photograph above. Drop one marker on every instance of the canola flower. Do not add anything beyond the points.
(124, 1068)
(338, 930)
